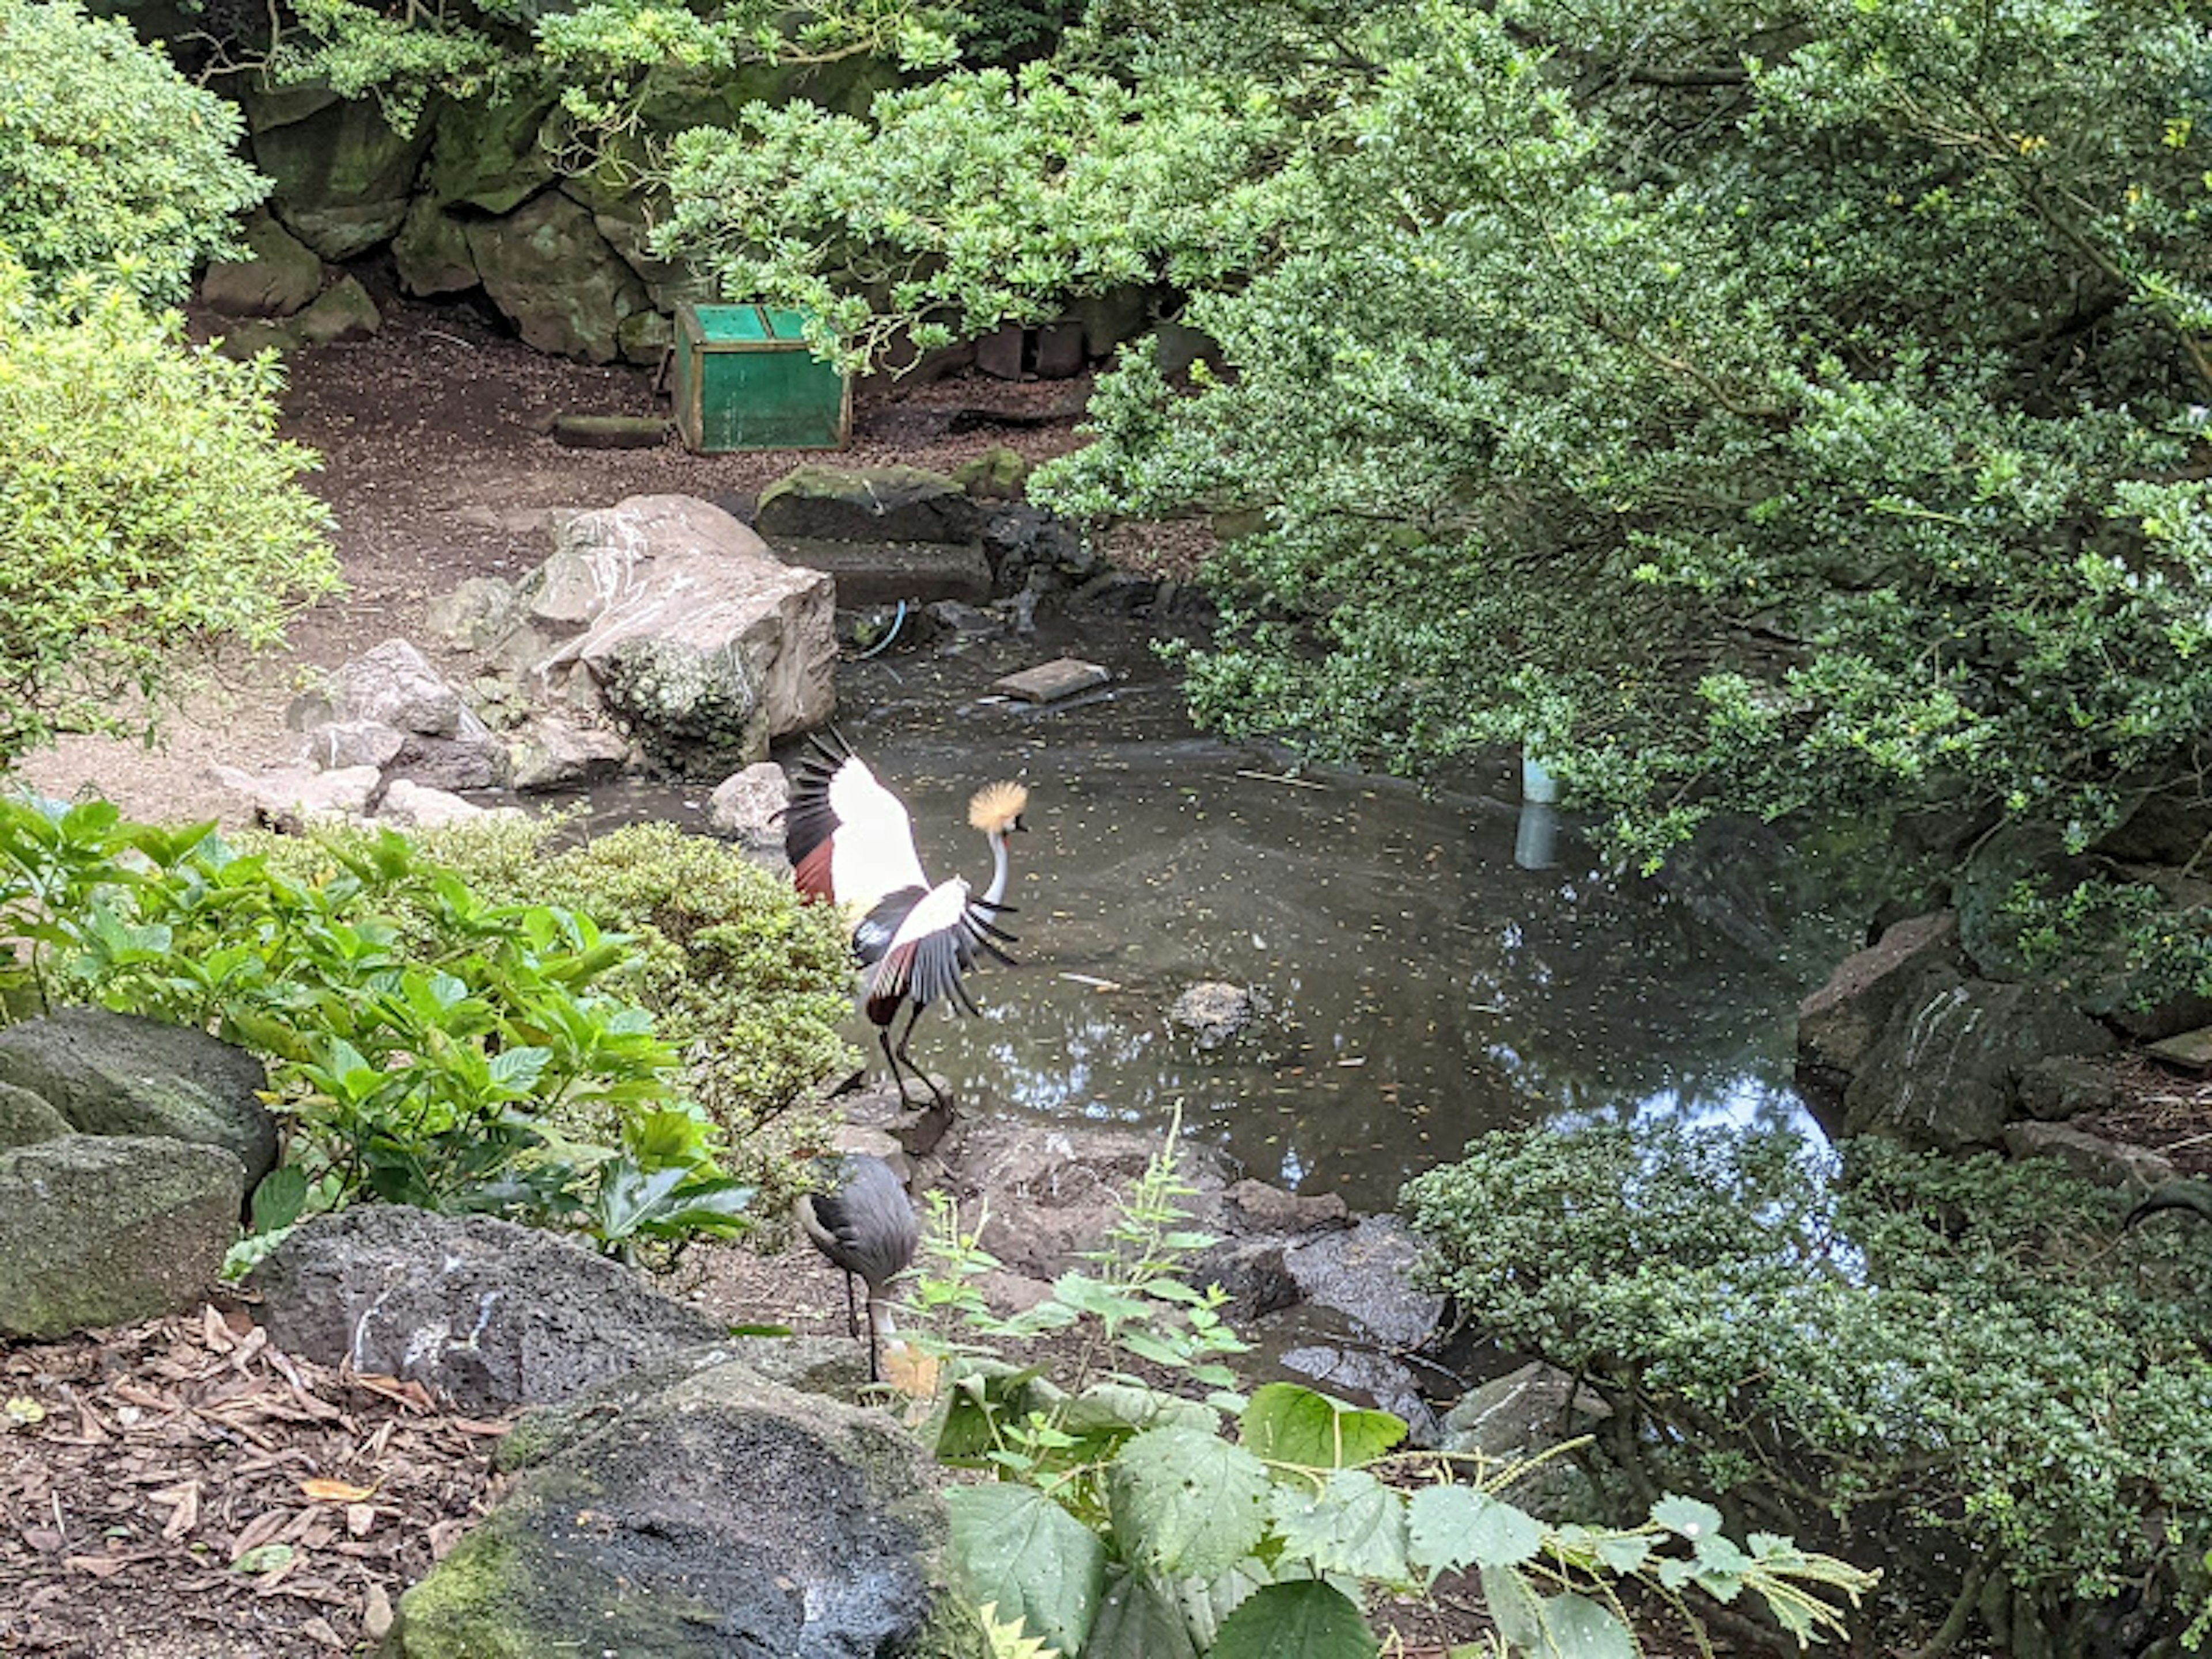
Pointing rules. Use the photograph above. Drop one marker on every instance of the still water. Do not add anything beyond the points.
(1422, 986)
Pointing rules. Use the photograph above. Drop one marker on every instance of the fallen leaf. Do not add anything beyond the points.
(336, 1492)
(263, 1558)
(317, 1629)
(22, 1412)
(186, 1514)
(376, 1615)
(100, 1566)
(44, 1541)
(259, 1531)
(213, 1332)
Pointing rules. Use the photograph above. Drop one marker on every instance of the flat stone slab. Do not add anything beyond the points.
(1050, 682)
(885, 572)
(2191, 1049)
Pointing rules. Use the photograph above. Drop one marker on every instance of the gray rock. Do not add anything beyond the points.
(418, 807)
(26, 1119)
(2053, 1090)
(1516, 1417)
(748, 807)
(999, 474)
(119, 1074)
(1180, 346)
(1059, 355)
(693, 634)
(477, 614)
(489, 1313)
(555, 278)
(341, 312)
(282, 276)
(474, 757)
(999, 354)
(1945, 1074)
(1366, 1274)
(959, 618)
(393, 684)
(339, 746)
(290, 799)
(881, 573)
(101, 1229)
(717, 1517)
(551, 752)
(432, 252)
(868, 504)
(1841, 1021)
(1108, 319)
(1116, 594)
(1254, 1206)
(1367, 1378)
(487, 156)
(2107, 1163)
(1252, 1273)
(1214, 1013)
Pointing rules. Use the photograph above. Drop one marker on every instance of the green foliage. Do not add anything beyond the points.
(1915, 1348)
(1756, 414)
(147, 509)
(1126, 1524)
(441, 1060)
(112, 166)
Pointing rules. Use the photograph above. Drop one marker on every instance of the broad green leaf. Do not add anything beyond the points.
(1308, 1620)
(1207, 1602)
(1139, 1620)
(279, 1199)
(1288, 1423)
(1579, 1628)
(1187, 1503)
(1456, 1526)
(1126, 1405)
(1014, 1546)
(1625, 1552)
(1686, 1518)
(1514, 1607)
(1355, 1524)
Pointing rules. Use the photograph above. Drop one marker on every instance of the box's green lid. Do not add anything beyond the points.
(749, 323)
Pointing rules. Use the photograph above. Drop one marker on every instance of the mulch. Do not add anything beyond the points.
(2168, 1111)
(180, 1490)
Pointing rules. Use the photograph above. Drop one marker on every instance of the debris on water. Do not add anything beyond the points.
(1050, 682)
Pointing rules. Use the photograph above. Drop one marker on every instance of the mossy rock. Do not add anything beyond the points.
(557, 279)
(432, 252)
(718, 1516)
(344, 179)
(26, 1119)
(487, 155)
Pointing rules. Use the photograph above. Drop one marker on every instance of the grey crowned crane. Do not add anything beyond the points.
(863, 1222)
(850, 842)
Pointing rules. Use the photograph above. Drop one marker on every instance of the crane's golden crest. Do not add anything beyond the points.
(994, 808)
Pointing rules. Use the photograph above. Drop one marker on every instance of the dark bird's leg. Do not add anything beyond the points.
(852, 1307)
(884, 1036)
(914, 1012)
(875, 1359)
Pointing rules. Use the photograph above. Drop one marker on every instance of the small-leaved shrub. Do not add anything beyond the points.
(1961, 1370)
(1126, 1522)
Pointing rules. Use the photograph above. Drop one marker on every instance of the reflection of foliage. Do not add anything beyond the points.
(1764, 414)
(147, 509)
(1125, 1524)
(111, 165)
(1912, 1349)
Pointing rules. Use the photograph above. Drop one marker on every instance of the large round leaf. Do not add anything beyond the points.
(1186, 1504)
(1308, 1620)
(1014, 1546)
(1288, 1423)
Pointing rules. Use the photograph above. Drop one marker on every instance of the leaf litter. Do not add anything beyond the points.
(182, 1477)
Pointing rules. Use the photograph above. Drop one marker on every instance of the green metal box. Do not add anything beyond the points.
(745, 379)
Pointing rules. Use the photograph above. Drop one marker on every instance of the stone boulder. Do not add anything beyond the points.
(552, 751)
(477, 615)
(555, 278)
(343, 313)
(289, 799)
(487, 157)
(343, 177)
(748, 808)
(431, 252)
(712, 1516)
(1841, 1021)
(1517, 1416)
(101, 1229)
(1214, 1013)
(692, 633)
(342, 745)
(26, 1119)
(490, 1314)
(1945, 1073)
(868, 504)
(1366, 1273)
(446, 745)
(118, 1074)
(282, 275)
(2107, 1163)
(415, 805)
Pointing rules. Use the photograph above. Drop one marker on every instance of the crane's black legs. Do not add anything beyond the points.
(852, 1307)
(875, 1357)
(913, 1013)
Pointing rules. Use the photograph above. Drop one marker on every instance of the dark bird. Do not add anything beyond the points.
(2194, 1196)
(850, 842)
(863, 1222)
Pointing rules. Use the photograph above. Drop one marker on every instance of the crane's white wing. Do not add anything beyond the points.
(848, 838)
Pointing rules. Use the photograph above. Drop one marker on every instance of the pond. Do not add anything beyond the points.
(1422, 986)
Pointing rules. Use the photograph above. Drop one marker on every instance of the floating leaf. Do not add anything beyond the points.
(1307, 1619)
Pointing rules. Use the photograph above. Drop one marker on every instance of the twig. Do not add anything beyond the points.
(1283, 779)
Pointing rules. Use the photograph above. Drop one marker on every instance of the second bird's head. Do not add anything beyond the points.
(996, 808)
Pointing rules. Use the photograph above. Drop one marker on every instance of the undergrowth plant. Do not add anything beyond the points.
(443, 1061)
(1144, 1509)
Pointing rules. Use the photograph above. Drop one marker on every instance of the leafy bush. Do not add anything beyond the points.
(112, 165)
(1124, 1525)
(147, 509)
(1962, 1364)
(441, 1061)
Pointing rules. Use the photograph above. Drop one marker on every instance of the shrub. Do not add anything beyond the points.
(1963, 1366)
(112, 165)
(147, 509)
(1125, 1524)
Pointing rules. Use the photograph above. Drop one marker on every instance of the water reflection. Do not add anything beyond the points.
(1434, 968)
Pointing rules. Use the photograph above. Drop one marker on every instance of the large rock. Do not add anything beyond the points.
(1945, 1073)
(2107, 1163)
(101, 1229)
(555, 278)
(431, 252)
(489, 1313)
(748, 807)
(118, 1074)
(1213, 1012)
(393, 684)
(281, 277)
(693, 634)
(487, 157)
(341, 312)
(1842, 1020)
(1366, 1273)
(26, 1119)
(552, 752)
(868, 504)
(715, 1515)
(291, 798)
(343, 177)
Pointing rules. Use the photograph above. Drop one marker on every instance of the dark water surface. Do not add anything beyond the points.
(1424, 986)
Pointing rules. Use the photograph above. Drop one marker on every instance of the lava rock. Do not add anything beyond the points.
(119, 1074)
(101, 1229)
(490, 1314)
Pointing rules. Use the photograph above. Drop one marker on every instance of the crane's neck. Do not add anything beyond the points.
(997, 890)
